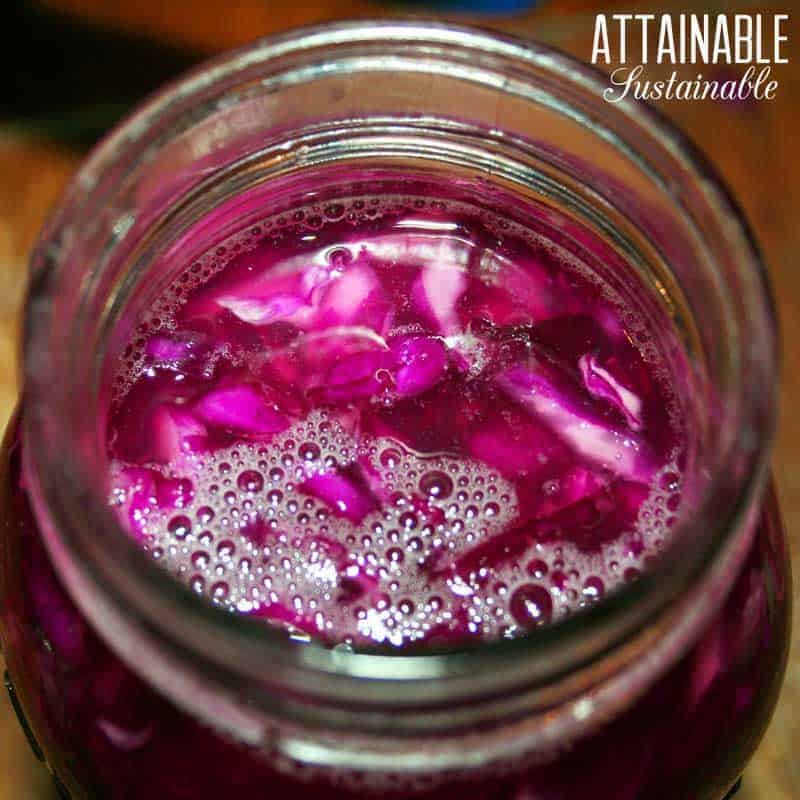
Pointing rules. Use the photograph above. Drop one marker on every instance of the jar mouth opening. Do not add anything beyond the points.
(67, 493)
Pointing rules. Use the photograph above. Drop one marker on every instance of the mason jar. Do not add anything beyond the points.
(131, 686)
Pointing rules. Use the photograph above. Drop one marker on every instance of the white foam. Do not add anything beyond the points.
(308, 551)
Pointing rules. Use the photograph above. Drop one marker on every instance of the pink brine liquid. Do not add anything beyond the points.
(396, 421)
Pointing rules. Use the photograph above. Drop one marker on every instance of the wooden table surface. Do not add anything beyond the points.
(753, 145)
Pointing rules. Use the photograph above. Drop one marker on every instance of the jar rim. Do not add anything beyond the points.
(61, 487)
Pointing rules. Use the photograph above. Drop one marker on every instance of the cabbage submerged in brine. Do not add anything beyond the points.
(394, 421)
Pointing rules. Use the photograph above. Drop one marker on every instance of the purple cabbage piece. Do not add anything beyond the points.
(242, 408)
(263, 310)
(496, 304)
(260, 300)
(355, 298)
(314, 298)
(314, 279)
(183, 351)
(420, 249)
(269, 298)
(175, 432)
(516, 445)
(471, 354)
(372, 480)
(599, 382)
(422, 362)
(171, 348)
(562, 409)
(529, 282)
(318, 352)
(357, 376)
(569, 488)
(435, 294)
(596, 518)
(356, 585)
(344, 496)
(125, 739)
(522, 294)
(509, 545)
(337, 366)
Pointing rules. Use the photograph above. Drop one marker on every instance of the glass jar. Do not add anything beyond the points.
(132, 687)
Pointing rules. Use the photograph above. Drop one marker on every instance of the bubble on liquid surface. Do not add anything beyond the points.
(436, 485)
(531, 605)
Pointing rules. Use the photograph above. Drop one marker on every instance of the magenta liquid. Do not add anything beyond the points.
(397, 427)
(395, 421)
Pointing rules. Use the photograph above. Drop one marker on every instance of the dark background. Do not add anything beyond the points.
(70, 68)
